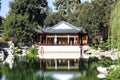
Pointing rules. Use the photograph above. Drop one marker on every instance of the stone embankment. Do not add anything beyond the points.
(100, 53)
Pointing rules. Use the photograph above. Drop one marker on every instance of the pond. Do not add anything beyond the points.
(29, 69)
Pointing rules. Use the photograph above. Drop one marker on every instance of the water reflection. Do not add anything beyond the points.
(29, 69)
(22, 70)
(59, 75)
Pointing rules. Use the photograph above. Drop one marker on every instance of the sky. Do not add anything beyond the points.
(5, 6)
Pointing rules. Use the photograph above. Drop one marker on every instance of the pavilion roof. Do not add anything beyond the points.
(61, 28)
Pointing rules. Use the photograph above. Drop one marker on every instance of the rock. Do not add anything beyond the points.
(2, 55)
(101, 76)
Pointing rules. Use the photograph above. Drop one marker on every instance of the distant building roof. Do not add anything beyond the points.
(61, 28)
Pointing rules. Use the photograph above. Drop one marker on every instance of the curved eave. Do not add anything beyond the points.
(46, 31)
(38, 31)
(59, 33)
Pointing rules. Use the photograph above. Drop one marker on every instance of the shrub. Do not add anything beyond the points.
(32, 52)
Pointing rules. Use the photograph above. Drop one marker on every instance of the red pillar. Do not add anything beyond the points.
(40, 39)
(46, 40)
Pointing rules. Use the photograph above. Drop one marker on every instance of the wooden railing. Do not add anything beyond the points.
(84, 43)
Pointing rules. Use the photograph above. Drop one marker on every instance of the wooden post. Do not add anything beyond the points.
(68, 39)
(55, 64)
(74, 40)
(81, 40)
(87, 39)
(68, 64)
(78, 41)
(40, 39)
(55, 39)
(46, 40)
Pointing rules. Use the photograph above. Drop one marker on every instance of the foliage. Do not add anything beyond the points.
(96, 18)
(0, 20)
(104, 45)
(17, 28)
(114, 29)
(87, 19)
(33, 8)
(93, 62)
(32, 52)
(114, 74)
(52, 19)
(1, 40)
(63, 7)
(22, 17)
(102, 10)
(20, 71)
(47, 78)
(39, 27)
(66, 6)
(1, 30)
(16, 50)
(105, 61)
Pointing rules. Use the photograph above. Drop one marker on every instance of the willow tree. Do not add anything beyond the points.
(114, 30)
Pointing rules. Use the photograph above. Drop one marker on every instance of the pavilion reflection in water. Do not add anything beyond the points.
(59, 75)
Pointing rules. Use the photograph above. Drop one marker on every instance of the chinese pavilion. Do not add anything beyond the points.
(60, 45)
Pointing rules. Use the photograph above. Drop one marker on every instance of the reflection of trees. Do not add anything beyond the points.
(21, 71)
(0, 74)
(24, 70)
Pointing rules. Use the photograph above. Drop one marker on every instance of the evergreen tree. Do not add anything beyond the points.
(52, 19)
(23, 16)
(102, 10)
(66, 6)
(94, 17)
(35, 9)
(1, 27)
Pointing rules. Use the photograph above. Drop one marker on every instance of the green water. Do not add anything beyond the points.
(29, 69)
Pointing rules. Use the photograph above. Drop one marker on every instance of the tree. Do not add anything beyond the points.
(66, 6)
(1, 26)
(17, 28)
(52, 19)
(35, 9)
(114, 29)
(85, 17)
(94, 16)
(0, 20)
(115, 26)
(0, 4)
(102, 11)
(23, 16)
